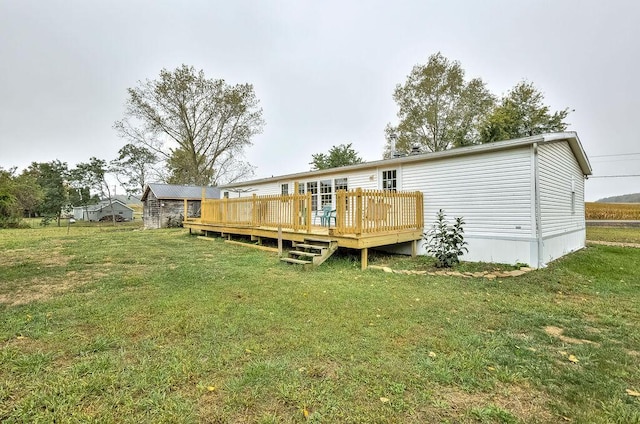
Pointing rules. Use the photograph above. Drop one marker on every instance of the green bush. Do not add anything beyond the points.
(445, 242)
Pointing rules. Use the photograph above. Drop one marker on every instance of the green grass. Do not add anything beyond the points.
(614, 234)
(117, 325)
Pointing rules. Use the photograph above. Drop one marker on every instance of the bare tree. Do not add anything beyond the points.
(196, 124)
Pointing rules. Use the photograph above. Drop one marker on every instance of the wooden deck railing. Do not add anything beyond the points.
(357, 212)
(375, 211)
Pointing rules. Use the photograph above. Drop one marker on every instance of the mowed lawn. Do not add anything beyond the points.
(118, 325)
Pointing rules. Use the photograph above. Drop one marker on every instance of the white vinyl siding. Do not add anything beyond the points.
(492, 192)
(560, 176)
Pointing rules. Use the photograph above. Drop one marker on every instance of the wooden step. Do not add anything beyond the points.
(310, 246)
(298, 253)
(319, 240)
(296, 261)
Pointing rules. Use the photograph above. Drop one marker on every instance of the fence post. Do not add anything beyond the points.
(295, 198)
(224, 210)
(308, 212)
(419, 210)
(254, 211)
(340, 211)
(359, 216)
(186, 209)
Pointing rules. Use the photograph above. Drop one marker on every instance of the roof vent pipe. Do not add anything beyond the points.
(392, 138)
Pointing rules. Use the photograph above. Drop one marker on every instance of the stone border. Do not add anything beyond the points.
(481, 274)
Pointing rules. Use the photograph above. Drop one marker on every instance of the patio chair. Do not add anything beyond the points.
(328, 213)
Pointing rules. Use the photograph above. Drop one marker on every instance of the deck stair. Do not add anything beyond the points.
(311, 252)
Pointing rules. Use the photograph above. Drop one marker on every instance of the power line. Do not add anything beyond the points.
(614, 176)
(616, 154)
(616, 159)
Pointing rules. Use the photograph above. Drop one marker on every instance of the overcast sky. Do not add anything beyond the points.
(324, 71)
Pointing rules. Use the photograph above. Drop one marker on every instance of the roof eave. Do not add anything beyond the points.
(570, 137)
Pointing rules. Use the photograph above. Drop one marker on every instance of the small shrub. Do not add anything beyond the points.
(46, 220)
(445, 242)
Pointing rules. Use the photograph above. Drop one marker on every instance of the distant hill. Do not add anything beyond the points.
(625, 198)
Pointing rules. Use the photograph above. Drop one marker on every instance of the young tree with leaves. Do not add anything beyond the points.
(52, 178)
(28, 193)
(195, 121)
(93, 174)
(438, 109)
(133, 167)
(9, 210)
(341, 155)
(522, 113)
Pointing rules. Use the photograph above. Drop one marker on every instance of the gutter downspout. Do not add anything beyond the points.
(536, 177)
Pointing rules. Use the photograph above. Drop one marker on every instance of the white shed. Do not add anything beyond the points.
(101, 209)
(522, 200)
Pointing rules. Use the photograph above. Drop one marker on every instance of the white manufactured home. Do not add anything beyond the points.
(522, 200)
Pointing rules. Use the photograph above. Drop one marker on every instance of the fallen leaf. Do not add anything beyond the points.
(305, 412)
(573, 359)
(491, 368)
(248, 350)
(432, 354)
(20, 337)
(211, 388)
(633, 393)
(384, 400)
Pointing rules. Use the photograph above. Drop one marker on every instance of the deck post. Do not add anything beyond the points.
(224, 210)
(186, 210)
(419, 210)
(364, 258)
(414, 248)
(340, 211)
(308, 212)
(359, 217)
(280, 240)
(254, 211)
(296, 207)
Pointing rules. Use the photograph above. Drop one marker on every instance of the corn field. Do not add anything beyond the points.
(614, 211)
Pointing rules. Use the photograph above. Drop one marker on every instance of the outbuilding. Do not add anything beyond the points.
(522, 200)
(103, 209)
(163, 204)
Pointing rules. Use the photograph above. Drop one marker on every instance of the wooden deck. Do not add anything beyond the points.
(363, 219)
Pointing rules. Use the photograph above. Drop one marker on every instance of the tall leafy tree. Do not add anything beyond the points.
(199, 121)
(522, 113)
(93, 175)
(341, 155)
(52, 178)
(134, 166)
(28, 193)
(438, 109)
(9, 209)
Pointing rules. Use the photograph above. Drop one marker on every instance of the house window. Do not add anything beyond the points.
(300, 188)
(340, 184)
(284, 189)
(312, 187)
(325, 193)
(225, 195)
(389, 180)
